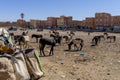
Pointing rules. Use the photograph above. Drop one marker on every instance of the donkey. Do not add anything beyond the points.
(37, 36)
(78, 43)
(105, 33)
(22, 41)
(55, 32)
(72, 33)
(57, 38)
(101, 37)
(68, 38)
(111, 38)
(95, 40)
(43, 42)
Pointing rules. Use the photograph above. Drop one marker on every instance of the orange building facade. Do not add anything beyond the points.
(64, 21)
(33, 23)
(103, 20)
(115, 20)
(21, 23)
(5, 24)
(76, 23)
(52, 21)
(100, 20)
(38, 23)
(90, 22)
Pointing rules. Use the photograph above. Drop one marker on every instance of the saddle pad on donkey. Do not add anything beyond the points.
(6, 49)
(26, 38)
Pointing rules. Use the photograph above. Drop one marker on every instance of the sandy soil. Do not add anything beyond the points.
(100, 62)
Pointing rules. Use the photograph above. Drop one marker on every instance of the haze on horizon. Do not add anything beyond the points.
(41, 9)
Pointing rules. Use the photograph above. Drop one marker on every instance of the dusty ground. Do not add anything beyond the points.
(101, 62)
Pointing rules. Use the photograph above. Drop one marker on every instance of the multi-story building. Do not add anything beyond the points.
(90, 22)
(5, 24)
(34, 22)
(76, 23)
(64, 21)
(14, 24)
(42, 23)
(38, 23)
(82, 23)
(21, 22)
(115, 20)
(52, 21)
(69, 21)
(103, 20)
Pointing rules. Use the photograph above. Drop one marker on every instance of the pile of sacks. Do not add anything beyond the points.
(19, 64)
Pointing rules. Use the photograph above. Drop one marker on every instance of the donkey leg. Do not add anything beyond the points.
(40, 51)
(69, 46)
(51, 51)
(21, 46)
(43, 50)
(40, 48)
(25, 44)
(81, 46)
(96, 42)
(75, 47)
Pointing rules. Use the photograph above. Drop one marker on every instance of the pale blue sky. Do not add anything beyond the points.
(41, 9)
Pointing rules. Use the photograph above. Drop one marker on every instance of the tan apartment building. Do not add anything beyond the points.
(82, 23)
(102, 20)
(42, 23)
(76, 23)
(64, 21)
(5, 24)
(14, 24)
(21, 22)
(90, 22)
(33, 22)
(38, 23)
(52, 21)
(115, 20)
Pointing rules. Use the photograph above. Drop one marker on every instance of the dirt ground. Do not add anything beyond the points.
(100, 62)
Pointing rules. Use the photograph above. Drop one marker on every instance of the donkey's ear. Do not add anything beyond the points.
(27, 51)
